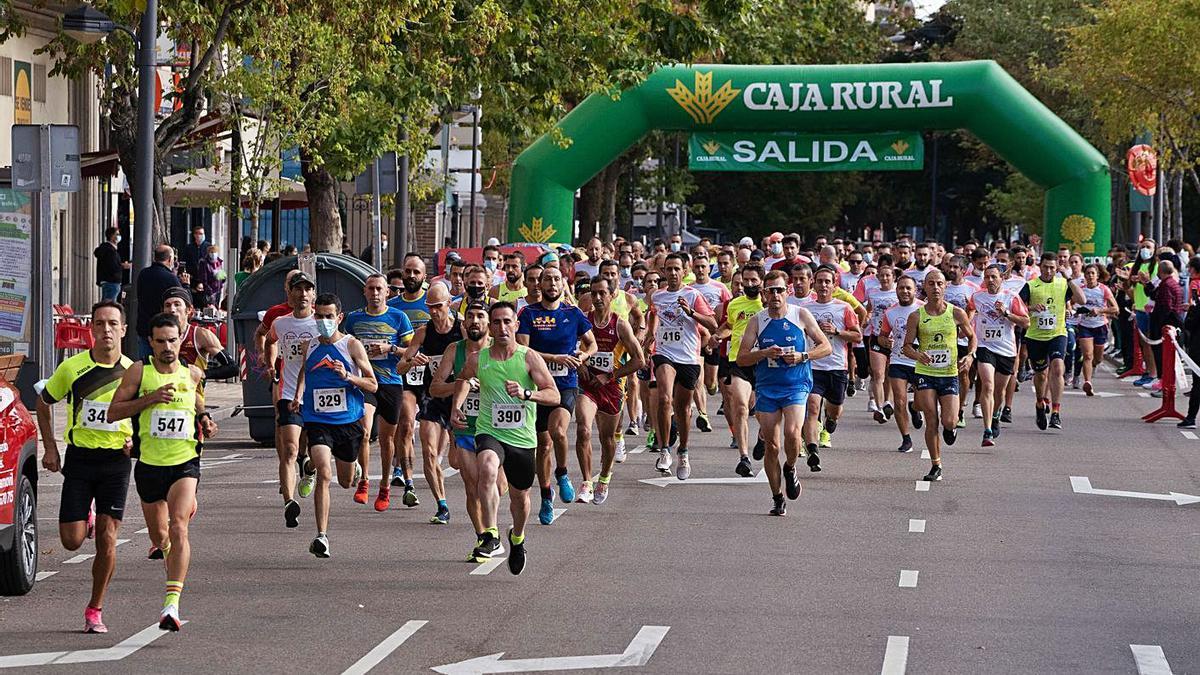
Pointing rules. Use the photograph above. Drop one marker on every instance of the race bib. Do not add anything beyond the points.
(170, 425)
(669, 334)
(508, 415)
(384, 344)
(329, 400)
(602, 361)
(557, 369)
(294, 351)
(993, 334)
(939, 358)
(434, 362)
(1047, 320)
(779, 363)
(94, 415)
(471, 405)
(415, 377)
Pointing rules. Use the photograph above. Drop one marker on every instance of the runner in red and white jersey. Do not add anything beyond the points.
(829, 373)
(997, 315)
(676, 314)
(958, 293)
(900, 369)
(878, 302)
(715, 294)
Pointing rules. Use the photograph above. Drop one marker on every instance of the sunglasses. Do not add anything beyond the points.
(396, 289)
(776, 289)
(434, 305)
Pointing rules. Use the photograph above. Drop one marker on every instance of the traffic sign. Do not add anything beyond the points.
(27, 157)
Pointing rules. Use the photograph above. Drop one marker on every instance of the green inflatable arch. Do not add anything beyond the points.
(974, 95)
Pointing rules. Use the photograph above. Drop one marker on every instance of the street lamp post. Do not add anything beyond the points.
(88, 24)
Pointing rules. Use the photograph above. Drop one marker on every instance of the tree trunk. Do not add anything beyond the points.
(608, 224)
(255, 219)
(591, 205)
(1177, 198)
(324, 220)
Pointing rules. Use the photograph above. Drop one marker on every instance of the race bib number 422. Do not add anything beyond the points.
(939, 358)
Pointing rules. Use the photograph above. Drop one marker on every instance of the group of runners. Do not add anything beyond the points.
(489, 365)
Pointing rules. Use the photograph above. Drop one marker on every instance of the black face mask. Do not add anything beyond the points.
(752, 291)
(476, 292)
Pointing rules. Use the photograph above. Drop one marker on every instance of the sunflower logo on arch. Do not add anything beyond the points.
(701, 102)
(537, 233)
(1078, 230)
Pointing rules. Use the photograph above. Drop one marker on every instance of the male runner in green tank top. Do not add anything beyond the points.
(165, 396)
(512, 380)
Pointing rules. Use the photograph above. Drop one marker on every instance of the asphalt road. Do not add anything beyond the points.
(1014, 570)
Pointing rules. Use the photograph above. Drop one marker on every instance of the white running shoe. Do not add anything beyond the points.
(977, 411)
(683, 468)
(663, 463)
(621, 453)
(169, 619)
(585, 495)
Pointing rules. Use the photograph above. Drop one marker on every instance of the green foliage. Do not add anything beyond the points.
(1018, 202)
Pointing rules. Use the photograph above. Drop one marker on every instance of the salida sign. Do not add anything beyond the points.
(806, 152)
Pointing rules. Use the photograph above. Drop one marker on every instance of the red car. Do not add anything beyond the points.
(18, 486)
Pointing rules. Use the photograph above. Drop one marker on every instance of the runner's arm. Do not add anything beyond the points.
(747, 356)
(964, 328)
(587, 345)
(816, 336)
(648, 336)
(637, 318)
(365, 380)
(1076, 294)
(702, 313)
(462, 385)
(910, 330)
(884, 339)
(126, 402)
(547, 391)
(1110, 304)
(406, 360)
(852, 333)
(632, 348)
(46, 427)
(440, 388)
(1018, 314)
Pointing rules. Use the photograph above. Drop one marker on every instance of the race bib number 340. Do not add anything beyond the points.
(94, 415)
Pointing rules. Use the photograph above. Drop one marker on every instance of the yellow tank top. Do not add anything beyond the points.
(1052, 321)
(506, 295)
(937, 336)
(620, 305)
(167, 433)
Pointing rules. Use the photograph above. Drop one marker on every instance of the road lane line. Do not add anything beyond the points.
(1150, 660)
(42, 576)
(1190, 435)
(895, 657)
(925, 453)
(916, 525)
(922, 486)
(1144, 394)
(84, 557)
(908, 578)
(382, 650)
(487, 567)
(144, 530)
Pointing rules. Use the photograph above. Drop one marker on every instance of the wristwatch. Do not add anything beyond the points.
(528, 393)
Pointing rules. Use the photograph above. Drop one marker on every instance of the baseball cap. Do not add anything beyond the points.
(492, 241)
(756, 255)
(746, 241)
(453, 256)
(300, 278)
(179, 292)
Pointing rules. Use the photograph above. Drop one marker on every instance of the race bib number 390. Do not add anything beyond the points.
(329, 400)
(94, 415)
(508, 415)
(170, 425)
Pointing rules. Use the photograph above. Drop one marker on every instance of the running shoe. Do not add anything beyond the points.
(1155, 385)
(585, 495)
(915, 415)
(850, 390)
(488, 548)
(319, 546)
(565, 490)
(934, 474)
(1143, 381)
(814, 460)
(384, 499)
(546, 513)
(744, 469)
(905, 445)
(683, 468)
(879, 416)
(977, 411)
(712, 389)
(949, 436)
(308, 479)
(721, 410)
(1006, 415)
(862, 385)
(888, 410)
(155, 553)
(91, 521)
(601, 494)
(1087, 388)
(1041, 416)
(397, 476)
(93, 622)
(995, 426)
(410, 498)
(760, 449)
(780, 507)
(663, 463)
(732, 443)
(363, 491)
(825, 441)
(516, 556)
(674, 437)
(442, 517)
(987, 439)
(169, 619)
(1055, 420)
(291, 513)
(632, 430)
(1187, 423)
(962, 421)
(702, 423)
(650, 440)
(1075, 382)
(622, 454)
(1024, 375)
(790, 482)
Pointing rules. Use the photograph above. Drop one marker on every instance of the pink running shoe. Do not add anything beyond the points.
(92, 621)
(91, 524)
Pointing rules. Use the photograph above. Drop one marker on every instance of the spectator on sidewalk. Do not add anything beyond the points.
(110, 266)
(193, 252)
(152, 285)
(1190, 342)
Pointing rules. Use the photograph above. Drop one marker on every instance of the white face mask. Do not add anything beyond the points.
(118, 239)
(326, 327)
(1145, 253)
(675, 246)
(776, 249)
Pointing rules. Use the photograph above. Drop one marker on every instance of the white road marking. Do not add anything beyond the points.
(1097, 394)
(1081, 485)
(487, 567)
(908, 578)
(1150, 660)
(41, 576)
(384, 649)
(925, 453)
(84, 557)
(115, 653)
(1144, 394)
(760, 477)
(895, 657)
(1190, 435)
(922, 486)
(916, 525)
(557, 514)
(144, 530)
(638, 653)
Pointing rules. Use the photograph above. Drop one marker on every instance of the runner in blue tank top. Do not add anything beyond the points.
(780, 342)
(329, 397)
(413, 302)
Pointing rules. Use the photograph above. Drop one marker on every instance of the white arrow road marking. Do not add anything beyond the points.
(759, 477)
(895, 657)
(557, 514)
(1097, 394)
(908, 578)
(1081, 485)
(923, 486)
(42, 576)
(1150, 660)
(84, 557)
(123, 649)
(925, 453)
(1190, 435)
(487, 567)
(638, 653)
(382, 650)
(212, 462)
(916, 525)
